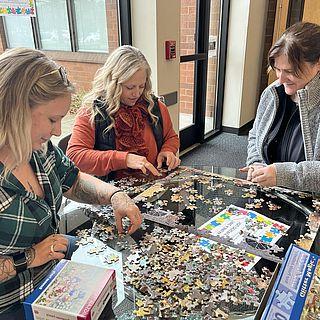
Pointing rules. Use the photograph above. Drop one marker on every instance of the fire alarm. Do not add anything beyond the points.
(170, 49)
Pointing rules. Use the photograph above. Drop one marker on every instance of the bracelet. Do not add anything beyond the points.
(119, 190)
(19, 261)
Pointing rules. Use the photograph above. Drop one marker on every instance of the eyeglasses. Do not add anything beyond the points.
(63, 75)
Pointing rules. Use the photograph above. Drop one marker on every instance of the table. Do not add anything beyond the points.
(199, 194)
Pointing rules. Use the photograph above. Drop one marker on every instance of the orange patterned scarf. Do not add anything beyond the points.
(130, 122)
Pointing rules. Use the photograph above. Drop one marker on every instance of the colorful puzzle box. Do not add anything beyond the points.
(293, 291)
(72, 290)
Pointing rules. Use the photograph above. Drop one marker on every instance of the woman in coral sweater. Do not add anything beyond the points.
(121, 126)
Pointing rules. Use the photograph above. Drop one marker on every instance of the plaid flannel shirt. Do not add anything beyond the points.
(26, 219)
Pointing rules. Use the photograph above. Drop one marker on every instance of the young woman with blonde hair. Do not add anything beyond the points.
(35, 95)
(122, 125)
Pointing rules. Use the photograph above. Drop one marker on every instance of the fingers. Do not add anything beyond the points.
(173, 162)
(119, 226)
(258, 174)
(51, 248)
(58, 247)
(249, 170)
(170, 161)
(135, 219)
(250, 173)
(160, 159)
(265, 177)
(151, 168)
(177, 162)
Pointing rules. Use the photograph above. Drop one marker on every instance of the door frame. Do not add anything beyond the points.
(195, 133)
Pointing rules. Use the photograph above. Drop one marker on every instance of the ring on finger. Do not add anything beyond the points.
(52, 249)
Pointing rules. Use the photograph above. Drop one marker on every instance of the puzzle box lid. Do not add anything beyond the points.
(71, 287)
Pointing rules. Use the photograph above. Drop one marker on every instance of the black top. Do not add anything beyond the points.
(284, 140)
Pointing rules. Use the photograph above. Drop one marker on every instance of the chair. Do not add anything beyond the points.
(63, 143)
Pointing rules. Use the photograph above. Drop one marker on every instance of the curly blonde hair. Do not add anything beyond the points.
(22, 87)
(120, 66)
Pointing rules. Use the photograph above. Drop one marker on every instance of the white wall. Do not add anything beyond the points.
(153, 22)
(244, 58)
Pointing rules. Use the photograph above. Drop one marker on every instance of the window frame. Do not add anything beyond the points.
(124, 33)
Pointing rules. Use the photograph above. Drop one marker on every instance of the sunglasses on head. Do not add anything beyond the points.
(62, 72)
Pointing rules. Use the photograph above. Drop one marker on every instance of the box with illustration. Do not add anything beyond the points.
(294, 293)
(72, 290)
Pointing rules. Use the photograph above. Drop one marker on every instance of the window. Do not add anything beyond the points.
(66, 25)
(91, 25)
(19, 32)
(53, 35)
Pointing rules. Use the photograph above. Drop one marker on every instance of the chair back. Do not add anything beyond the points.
(63, 143)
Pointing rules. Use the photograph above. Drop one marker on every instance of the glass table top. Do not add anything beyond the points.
(180, 272)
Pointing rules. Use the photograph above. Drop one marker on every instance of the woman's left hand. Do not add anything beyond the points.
(124, 206)
(266, 176)
(169, 157)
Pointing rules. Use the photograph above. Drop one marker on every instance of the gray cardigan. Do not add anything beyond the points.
(304, 176)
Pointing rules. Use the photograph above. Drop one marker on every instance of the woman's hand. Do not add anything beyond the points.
(170, 158)
(134, 161)
(124, 206)
(51, 248)
(250, 169)
(266, 176)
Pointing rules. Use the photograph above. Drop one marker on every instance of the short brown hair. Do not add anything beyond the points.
(300, 43)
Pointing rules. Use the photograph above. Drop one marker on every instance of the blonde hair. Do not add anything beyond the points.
(120, 66)
(26, 80)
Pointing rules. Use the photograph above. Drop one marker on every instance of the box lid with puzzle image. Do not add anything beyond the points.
(294, 294)
(72, 290)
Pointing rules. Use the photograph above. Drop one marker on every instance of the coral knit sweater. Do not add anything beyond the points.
(81, 145)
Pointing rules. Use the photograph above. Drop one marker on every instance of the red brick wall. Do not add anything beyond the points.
(187, 46)
(80, 74)
(112, 24)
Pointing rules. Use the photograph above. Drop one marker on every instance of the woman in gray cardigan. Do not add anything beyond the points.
(284, 143)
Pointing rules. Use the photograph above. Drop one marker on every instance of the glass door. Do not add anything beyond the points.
(203, 34)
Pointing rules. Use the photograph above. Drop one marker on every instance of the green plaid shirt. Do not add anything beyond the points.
(26, 219)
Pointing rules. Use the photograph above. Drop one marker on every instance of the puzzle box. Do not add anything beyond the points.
(72, 291)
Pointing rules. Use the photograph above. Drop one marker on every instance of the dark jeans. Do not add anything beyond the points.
(18, 312)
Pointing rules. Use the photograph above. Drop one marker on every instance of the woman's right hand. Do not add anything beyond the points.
(134, 161)
(251, 168)
(51, 248)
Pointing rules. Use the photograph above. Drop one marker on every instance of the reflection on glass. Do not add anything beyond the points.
(186, 113)
(91, 25)
(53, 25)
(188, 27)
(18, 31)
(212, 66)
